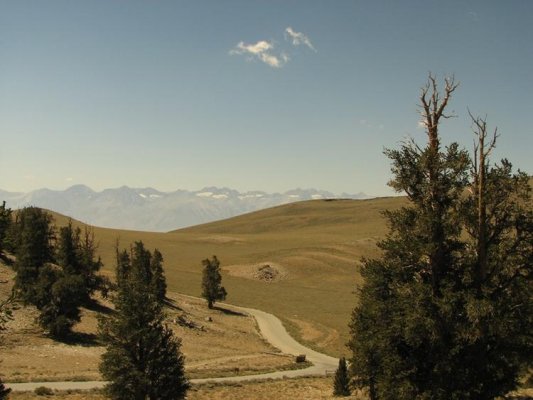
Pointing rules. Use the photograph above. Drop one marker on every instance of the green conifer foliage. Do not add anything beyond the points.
(5, 223)
(33, 249)
(446, 312)
(159, 282)
(143, 359)
(212, 289)
(341, 384)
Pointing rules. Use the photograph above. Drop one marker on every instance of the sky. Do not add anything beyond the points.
(251, 95)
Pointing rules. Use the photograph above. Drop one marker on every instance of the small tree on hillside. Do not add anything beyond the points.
(159, 282)
(143, 359)
(5, 223)
(76, 255)
(341, 384)
(33, 248)
(212, 290)
(58, 297)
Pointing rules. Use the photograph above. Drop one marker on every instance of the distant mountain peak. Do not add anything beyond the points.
(153, 210)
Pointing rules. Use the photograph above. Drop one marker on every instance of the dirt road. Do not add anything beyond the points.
(271, 329)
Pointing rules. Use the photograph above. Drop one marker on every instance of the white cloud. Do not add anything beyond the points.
(258, 48)
(262, 51)
(298, 38)
(265, 51)
(69, 179)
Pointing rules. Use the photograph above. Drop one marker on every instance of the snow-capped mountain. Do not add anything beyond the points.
(151, 210)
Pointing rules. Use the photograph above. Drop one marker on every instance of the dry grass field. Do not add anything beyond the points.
(288, 389)
(300, 388)
(315, 246)
(227, 345)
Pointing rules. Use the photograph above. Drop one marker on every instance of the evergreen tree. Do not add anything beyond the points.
(91, 264)
(75, 254)
(341, 384)
(159, 282)
(58, 297)
(33, 249)
(5, 223)
(143, 359)
(212, 290)
(444, 315)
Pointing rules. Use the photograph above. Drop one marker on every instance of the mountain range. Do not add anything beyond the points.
(148, 209)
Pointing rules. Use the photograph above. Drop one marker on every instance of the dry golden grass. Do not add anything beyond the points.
(300, 388)
(288, 389)
(318, 244)
(227, 345)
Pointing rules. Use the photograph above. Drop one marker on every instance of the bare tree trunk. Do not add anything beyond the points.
(432, 111)
(481, 152)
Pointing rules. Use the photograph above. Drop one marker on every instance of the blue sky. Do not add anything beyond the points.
(266, 95)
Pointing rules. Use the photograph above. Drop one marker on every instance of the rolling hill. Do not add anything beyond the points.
(311, 248)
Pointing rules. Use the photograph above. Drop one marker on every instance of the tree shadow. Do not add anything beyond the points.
(96, 306)
(227, 311)
(9, 261)
(80, 339)
(172, 304)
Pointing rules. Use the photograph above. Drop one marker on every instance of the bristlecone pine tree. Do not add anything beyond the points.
(143, 359)
(5, 222)
(34, 234)
(159, 281)
(212, 289)
(447, 312)
(341, 384)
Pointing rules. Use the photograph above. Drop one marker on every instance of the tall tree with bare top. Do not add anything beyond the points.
(446, 313)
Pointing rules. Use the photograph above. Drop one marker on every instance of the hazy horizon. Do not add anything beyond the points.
(265, 96)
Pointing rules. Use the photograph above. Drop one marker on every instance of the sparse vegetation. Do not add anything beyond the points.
(43, 391)
(212, 289)
(446, 313)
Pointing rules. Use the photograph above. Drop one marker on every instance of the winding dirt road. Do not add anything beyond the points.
(271, 329)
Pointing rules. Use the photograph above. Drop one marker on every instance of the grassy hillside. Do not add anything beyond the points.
(315, 245)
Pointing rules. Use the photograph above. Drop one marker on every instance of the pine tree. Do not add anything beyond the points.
(159, 282)
(143, 359)
(446, 312)
(34, 249)
(212, 290)
(58, 297)
(341, 384)
(5, 223)
(91, 264)
(76, 255)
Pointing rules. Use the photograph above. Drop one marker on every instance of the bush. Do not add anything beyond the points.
(43, 391)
